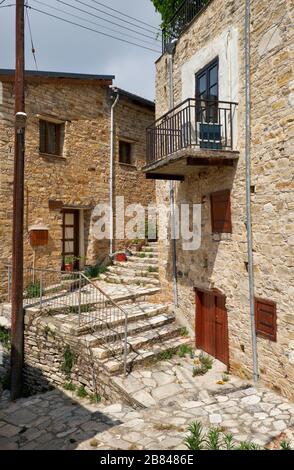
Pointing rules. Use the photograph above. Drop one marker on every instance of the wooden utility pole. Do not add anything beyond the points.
(17, 314)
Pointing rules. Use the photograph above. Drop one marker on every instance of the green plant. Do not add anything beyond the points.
(68, 361)
(152, 269)
(142, 255)
(81, 392)
(196, 439)
(184, 331)
(167, 8)
(69, 386)
(225, 377)
(285, 445)
(206, 361)
(248, 446)
(166, 355)
(95, 398)
(214, 439)
(83, 309)
(34, 290)
(199, 371)
(184, 350)
(4, 337)
(70, 259)
(92, 272)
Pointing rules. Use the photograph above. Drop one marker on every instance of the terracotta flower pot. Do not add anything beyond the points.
(121, 257)
(68, 267)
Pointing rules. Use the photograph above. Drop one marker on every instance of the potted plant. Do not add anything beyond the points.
(69, 262)
(121, 256)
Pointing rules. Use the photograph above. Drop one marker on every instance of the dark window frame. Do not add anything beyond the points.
(260, 331)
(211, 112)
(226, 222)
(122, 158)
(44, 137)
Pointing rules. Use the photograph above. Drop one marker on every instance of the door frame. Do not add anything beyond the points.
(199, 319)
(76, 239)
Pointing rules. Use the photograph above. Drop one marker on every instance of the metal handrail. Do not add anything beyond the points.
(67, 299)
(116, 305)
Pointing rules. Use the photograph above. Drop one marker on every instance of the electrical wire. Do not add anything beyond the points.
(108, 21)
(93, 30)
(31, 35)
(127, 16)
(110, 15)
(86, 20)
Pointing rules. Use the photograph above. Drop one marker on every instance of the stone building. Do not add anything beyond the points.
(67, 163)
(200, 146)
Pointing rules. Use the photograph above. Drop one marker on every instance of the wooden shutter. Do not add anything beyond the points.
(125, 152)
(42, 127)
(221, 220)
(266, 319)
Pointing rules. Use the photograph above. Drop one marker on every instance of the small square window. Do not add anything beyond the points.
(51, 138)
(266, 319)
(221, 220)
(125, 152)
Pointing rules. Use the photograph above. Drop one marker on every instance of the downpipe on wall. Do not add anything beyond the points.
(115, 93)
(171, 50)
(248, 187)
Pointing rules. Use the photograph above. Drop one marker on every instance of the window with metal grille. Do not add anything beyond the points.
(221, 219)
(266, 319)
(50, 138)
(125, 152)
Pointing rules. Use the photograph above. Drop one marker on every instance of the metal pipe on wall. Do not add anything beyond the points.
(248, 187)
(172, 183)
(111, 171)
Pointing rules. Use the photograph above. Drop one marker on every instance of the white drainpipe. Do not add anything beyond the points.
(111, 171)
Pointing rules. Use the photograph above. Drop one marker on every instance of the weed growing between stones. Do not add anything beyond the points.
(217, 439)
(68, 361)
(81, 392)
(34, 290)
(184, 332)
(4, 337)
(205, 362)
(184, 350)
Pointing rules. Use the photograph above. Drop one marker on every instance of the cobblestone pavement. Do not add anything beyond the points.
(58, 420)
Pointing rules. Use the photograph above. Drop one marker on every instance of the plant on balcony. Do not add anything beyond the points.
(167, 8)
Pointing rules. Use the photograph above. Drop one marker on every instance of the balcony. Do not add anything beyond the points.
(192, 135)
(185, 14)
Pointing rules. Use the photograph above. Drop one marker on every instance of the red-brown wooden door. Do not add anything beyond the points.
(212, 325)
(70, 236)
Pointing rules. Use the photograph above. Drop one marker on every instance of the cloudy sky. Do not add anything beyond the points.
(68, 48)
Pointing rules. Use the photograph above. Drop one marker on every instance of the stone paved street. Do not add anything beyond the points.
(58, 420)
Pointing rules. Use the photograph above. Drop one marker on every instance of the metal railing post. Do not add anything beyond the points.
(80, 298)
(41, 290)
(126, 345)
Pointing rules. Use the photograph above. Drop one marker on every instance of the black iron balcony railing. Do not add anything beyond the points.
(181, 19)
(192, 124)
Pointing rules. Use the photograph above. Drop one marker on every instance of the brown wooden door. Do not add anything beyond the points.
(70, 236)
(212, 325)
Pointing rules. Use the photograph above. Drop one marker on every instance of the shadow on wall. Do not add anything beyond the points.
(195, 267)
(55, 420)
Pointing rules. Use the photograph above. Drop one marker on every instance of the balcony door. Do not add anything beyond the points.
(207, 112)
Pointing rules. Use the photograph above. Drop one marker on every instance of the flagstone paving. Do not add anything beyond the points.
(58, 420)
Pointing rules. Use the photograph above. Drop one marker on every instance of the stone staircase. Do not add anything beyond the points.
(152, 330)
(141, 268)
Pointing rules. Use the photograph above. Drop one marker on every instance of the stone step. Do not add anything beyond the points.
(135, 265)
(150, 250)
(140, 334)
(137, 280)
(142, 261)
(143, 356)
(136, 312)
(125, 271)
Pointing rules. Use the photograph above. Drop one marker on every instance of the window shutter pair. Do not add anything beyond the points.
(221, 218)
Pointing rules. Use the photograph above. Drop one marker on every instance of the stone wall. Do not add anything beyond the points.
(221, 261)
(80, 178)
(45, 348)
